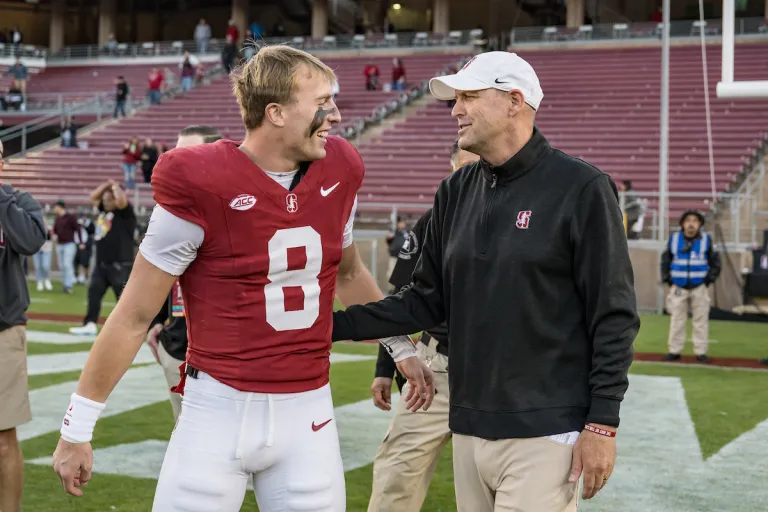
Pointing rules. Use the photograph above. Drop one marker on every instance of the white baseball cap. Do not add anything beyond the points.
(492, 70)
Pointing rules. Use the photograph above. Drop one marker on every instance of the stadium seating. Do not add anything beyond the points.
(603, 106)
(599, 104)
(74, 173)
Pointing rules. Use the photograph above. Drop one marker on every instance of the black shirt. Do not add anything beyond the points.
(529, 263)
(122, 91)
(114, 235)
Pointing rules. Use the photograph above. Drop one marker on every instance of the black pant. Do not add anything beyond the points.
(119, 108)
(112, 275)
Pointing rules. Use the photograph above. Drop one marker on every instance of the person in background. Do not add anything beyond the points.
(155, 89)
(42, 261)
(633, 209)
(395, 241)
(229, 54)
(85, 249)
(233, 31)
(121, 96)
(689, 265)
(371, 73)
(148, 159)
(188, 69)
(168, 342)
(131, 156)
(414, 440)
(22, 233)
(69, 133)
(20, 75)
(114, 237)
(398, 74)
(66, 232)
(202, 36)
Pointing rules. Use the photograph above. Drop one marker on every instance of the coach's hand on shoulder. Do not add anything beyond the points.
(594, 454)
(421, 380)
(73, 463)
(381, 389)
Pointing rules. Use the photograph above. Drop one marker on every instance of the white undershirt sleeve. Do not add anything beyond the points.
(171, 243)
(348, 239)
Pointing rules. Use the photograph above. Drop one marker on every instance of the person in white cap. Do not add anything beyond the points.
(527, 259)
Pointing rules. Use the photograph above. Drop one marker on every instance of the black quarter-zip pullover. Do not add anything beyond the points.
(528, 262)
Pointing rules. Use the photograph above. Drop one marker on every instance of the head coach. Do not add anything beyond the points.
(527, 259)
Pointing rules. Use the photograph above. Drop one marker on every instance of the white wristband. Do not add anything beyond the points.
(80, 419)
(399, 347)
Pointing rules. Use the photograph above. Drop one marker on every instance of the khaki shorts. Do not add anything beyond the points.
(14, 387)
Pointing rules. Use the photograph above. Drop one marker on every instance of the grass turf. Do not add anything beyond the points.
(723, 403)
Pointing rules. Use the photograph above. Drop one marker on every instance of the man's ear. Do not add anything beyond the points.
(516, 102)
(274, 114)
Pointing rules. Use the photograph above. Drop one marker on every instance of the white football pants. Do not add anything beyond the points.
(288, 444)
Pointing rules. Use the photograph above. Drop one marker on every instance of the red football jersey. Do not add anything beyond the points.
(259, 295)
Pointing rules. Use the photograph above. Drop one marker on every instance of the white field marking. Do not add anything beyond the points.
(660, 467)
(138, 387)
(39, 300)
(68, 361)
(57, 338)
(361, 429)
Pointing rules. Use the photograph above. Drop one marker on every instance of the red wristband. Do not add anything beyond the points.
(600, 431)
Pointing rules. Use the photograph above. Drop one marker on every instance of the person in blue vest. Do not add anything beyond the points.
(689, 265)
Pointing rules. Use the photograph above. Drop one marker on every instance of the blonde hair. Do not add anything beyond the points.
(270, 76)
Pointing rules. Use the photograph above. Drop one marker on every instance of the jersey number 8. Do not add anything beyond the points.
(306, 278)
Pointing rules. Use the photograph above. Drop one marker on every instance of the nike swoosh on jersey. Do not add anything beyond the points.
(325, 192)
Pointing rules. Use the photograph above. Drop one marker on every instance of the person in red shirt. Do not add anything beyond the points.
(371, 73)
(67, 234)
(398, 74)
(259, 235)
(232, 31)
(155, 91)
(131, 156)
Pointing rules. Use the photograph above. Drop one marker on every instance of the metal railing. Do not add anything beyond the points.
(51, 103)
(23, 50)
(215, 46)
(638, 30)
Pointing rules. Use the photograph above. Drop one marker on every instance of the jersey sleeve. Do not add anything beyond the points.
(174, 187)
(171, 243)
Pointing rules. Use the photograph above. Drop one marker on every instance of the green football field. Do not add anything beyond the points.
(692, 438)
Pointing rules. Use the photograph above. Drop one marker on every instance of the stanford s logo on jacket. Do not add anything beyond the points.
(523, 218)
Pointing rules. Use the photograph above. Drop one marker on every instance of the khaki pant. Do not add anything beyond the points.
(506, 475)
(679, 301)
(22, 85)
(171, 370)
(407, 458)
(14, 388)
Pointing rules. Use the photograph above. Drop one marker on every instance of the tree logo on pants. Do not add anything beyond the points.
(523, 219)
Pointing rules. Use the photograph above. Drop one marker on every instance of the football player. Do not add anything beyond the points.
(261, 237)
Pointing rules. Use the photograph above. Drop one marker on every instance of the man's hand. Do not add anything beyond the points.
(152, 341)
(595, 455)
(421, 391)
(381, 389)
(73, 463)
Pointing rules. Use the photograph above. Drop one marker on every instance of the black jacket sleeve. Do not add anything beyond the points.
(22, 220)
(416, 308)
(597, 235)
(666, 261)
(385, 365)
(713, 258)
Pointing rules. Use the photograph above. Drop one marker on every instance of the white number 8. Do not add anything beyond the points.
(280, 277)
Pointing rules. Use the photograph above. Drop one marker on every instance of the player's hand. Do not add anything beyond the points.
(594, 455)
(381, 389)
(152, 341)
(73, 463)
(421, 391)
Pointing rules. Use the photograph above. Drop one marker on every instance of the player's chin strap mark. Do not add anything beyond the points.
(319, 119)
(399, 347)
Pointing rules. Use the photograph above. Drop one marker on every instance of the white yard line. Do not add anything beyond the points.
(57, 338)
